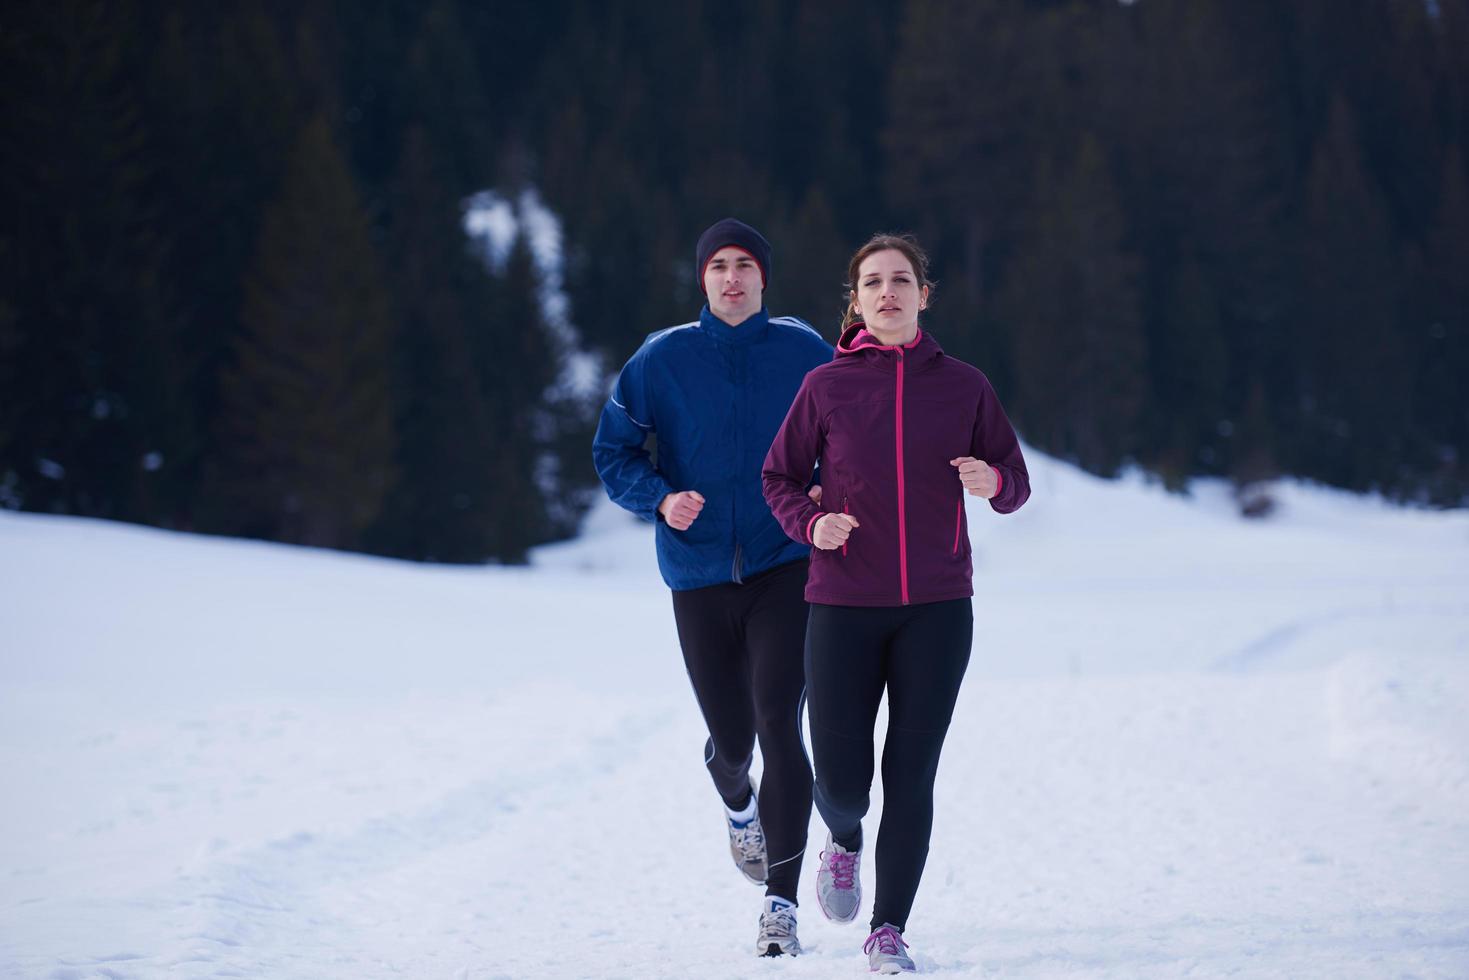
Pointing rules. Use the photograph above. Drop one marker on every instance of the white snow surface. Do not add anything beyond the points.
(1188, 745)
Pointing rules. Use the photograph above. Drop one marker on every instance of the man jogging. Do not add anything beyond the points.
(715, 392)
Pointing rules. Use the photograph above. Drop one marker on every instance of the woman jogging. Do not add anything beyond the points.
(902, 431)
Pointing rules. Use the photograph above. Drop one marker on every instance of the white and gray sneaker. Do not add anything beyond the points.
(777, 929)
(839, 882)
(884, 949)
(747, 843)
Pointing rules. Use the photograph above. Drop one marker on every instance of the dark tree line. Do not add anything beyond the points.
(238, 293)
(1209, 237)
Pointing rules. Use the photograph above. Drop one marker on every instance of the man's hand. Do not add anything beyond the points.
(978, 477)
(680, 509)
(815, 494)
(832, 531)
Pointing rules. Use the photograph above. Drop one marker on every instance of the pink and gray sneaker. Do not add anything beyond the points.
(884, 949)
(839, 882)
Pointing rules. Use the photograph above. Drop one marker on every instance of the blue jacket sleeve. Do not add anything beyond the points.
(619, 448)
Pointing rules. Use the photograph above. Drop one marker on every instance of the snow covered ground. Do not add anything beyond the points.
(1188, 745)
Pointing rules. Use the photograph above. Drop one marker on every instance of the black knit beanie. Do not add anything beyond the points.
(731, 232)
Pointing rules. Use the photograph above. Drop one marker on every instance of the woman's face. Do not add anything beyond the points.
(888, 294)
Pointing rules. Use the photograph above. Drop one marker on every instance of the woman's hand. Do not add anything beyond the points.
(978, 477)
(832, 531)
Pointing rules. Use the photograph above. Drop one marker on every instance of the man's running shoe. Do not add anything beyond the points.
(747, 844)
(777, 929)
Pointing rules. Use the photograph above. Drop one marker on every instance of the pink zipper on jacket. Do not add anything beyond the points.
(902, 518)
(844, 511)
(958, 519)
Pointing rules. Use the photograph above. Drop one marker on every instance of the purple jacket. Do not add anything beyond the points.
(884, 422)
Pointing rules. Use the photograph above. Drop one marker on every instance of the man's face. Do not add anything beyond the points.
(733, 283)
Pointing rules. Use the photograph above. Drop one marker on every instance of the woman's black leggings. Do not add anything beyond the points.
(918, 654)
(742, 644)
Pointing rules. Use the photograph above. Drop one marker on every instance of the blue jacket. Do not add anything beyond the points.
(715, 395)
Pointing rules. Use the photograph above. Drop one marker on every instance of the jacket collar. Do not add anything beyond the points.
(748, 332)
(856, 342)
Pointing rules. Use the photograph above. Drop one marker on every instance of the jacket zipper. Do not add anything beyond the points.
(738, 365)
(902, 520)
(844, 511)
(958, 518)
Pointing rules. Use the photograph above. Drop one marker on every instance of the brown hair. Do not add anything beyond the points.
(881, 242)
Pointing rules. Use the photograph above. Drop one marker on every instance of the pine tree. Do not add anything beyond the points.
(308, 416)
(1072, 303)
(962, 106)
(1441, 397)
(442, 93)
(91, 412)
(1188, 362)
(10, 341)
(1352, 334)
(518, 362)
(227, 110)
(1195, 117)
(809, 273)
(1453, 88)
(442, 506)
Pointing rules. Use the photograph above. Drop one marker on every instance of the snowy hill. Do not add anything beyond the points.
(1188, 745)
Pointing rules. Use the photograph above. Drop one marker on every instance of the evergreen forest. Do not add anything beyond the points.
(237, 295)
